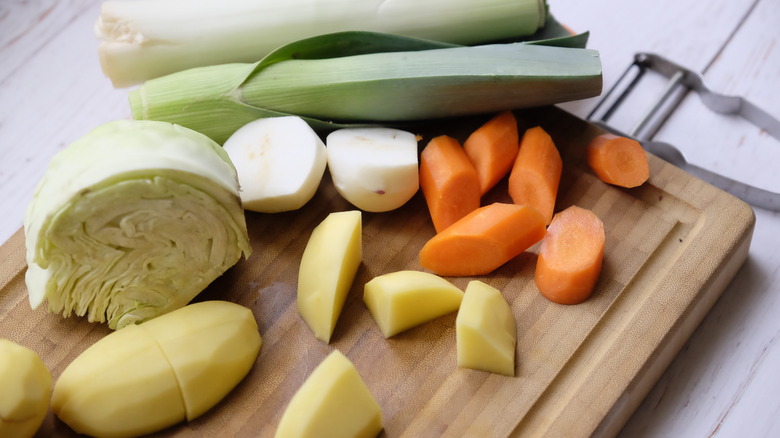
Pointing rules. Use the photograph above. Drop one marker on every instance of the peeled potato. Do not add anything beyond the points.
(25, 386)
(485, 330)
(404, 299)
(146, 377)
(332, 402)
(328, 267)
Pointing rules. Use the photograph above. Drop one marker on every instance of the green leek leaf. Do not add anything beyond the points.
(367, 78)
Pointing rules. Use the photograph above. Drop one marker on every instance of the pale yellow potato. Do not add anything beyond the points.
(404, 299)
(485, 330)
(120, 386)
(334, 401)
(144, 378)
(210, 348)
(25, 386)
(328, 267)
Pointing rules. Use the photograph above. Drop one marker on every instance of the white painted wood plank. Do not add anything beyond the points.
(730, 145)
(55, 96)
(27, 26)
(689, 30)
(725, 382)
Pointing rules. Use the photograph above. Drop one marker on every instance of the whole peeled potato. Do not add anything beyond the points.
(147, 377)
(25, 386)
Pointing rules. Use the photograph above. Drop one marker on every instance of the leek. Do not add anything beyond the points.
(144, 39)
(131, 221)
(338, 80)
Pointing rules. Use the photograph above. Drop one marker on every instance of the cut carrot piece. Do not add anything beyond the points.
(617, 160)
(483, 240)
(448, 181)
(536, 173)
(570, 256)
(492, 149)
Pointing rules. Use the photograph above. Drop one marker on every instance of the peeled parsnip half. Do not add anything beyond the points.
(375, 169)
(280, 162)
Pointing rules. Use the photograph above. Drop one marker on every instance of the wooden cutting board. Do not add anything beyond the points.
(672, 246)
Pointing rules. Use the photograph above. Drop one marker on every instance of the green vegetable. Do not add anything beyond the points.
(145, 39)
(131, 221)
(338, 80)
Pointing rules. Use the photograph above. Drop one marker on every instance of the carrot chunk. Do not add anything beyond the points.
(448, 181)
(483, 240)
(618, 160)
(570, 256)
(536, 173)
(492, 149)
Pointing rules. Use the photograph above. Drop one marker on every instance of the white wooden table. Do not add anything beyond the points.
(723, 383)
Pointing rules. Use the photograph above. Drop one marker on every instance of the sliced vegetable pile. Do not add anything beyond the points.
(472, 239)
(135, 219)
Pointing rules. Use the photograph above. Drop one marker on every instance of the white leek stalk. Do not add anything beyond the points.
(131, 221)
(144, 39)
(369, 78)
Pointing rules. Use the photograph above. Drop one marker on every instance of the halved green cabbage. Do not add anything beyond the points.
(131, 221)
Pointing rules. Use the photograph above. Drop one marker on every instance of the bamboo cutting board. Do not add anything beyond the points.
(672, 246)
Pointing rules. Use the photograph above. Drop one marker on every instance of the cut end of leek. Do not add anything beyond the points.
(131, 221)
(141, 40)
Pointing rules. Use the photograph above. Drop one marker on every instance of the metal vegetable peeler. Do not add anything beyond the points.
(679, 82)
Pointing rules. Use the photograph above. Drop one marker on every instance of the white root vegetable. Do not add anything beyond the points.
(375, 169)
(280, 162)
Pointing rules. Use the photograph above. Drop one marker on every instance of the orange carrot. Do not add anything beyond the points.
(536, 173)
(570, 256)
(492, 149)
(448, 181)
(618, 160)
(483, 240)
